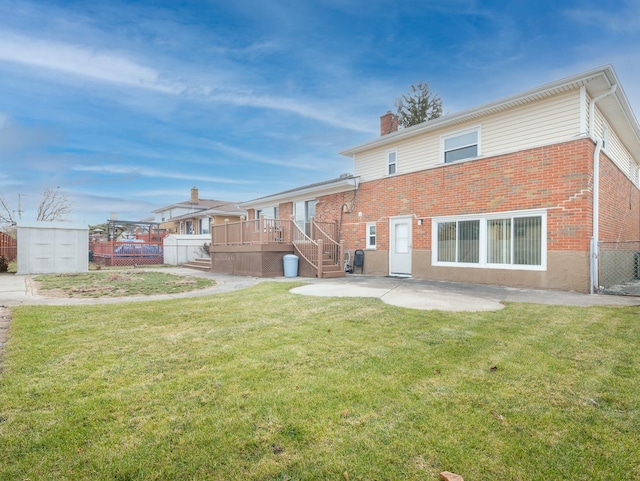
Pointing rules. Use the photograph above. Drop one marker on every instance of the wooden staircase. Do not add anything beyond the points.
(201, 264)
(330, 270)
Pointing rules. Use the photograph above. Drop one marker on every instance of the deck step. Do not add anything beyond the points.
(201, 264)
(333, 274)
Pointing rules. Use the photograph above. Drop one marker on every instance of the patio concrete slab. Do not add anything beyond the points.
(451, 296)
(403, 296)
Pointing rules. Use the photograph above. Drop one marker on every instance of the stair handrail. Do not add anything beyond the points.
(331, 246)
(305, 245)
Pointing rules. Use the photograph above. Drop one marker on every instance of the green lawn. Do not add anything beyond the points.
(261, 384)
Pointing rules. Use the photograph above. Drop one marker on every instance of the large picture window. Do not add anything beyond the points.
(511, 240)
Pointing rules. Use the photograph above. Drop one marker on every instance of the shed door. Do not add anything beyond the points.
(400, 246)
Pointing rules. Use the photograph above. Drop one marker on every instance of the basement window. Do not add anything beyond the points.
(514, 240)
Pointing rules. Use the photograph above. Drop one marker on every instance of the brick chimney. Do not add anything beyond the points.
(194, 195)
(388, 123)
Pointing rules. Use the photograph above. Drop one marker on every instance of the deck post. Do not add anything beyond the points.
(340, 258)
(261, 228)
(320, 257)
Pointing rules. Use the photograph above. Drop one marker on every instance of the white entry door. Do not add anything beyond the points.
(400, 246)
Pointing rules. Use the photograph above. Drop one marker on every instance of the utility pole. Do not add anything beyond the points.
(20, 206)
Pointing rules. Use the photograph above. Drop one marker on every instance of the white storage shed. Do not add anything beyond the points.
(52, 248)
(180, 249)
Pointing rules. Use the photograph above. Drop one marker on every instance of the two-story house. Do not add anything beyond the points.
(521, 191)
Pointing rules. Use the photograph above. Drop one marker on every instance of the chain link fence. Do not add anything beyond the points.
(619, 268)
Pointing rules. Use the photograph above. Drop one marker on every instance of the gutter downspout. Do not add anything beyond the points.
(595, 238)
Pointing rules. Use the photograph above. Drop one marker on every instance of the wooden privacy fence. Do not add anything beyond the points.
(126, 253)
(8, 247)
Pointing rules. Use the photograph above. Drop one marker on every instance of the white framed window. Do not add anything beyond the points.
(268, 212)
(460, 145)
(392, 162)
(605, 136)
(371, 235)
(510, 240)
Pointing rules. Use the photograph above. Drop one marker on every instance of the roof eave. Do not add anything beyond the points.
(340, 185)
(521, 98)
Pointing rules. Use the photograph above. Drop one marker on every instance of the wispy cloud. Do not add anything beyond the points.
(75, 60)
(111, 67)
(621, 19)
(239, 153)
(154, 173)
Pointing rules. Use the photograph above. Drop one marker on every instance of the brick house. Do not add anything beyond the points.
(518, 192)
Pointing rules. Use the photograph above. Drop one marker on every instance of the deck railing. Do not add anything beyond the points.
(258, 231)
(329, 245)
(8, 247)
(126, 253)
(306, 247)
(278, 231)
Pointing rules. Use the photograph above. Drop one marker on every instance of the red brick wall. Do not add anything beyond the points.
(619, 204)
(286, 211)
(555, 177)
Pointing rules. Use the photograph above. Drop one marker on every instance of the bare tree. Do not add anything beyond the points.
(54, 206)
(419, 105)
(6, 215)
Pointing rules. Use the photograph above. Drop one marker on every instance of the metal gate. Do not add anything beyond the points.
(619, 268)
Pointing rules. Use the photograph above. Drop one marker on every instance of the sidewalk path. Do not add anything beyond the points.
(17, 290)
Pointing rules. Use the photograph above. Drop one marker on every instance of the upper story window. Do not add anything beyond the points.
(461, 145)
(392, 162)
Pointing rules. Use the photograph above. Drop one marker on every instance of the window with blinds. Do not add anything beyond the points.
(514, 241)
(459, 241)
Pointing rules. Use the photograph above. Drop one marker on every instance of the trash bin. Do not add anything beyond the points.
(290, 265)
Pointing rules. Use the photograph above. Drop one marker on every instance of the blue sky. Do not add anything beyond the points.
(127, 105)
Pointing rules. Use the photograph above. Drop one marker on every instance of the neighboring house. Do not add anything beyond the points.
(520, 192)
(196, 215)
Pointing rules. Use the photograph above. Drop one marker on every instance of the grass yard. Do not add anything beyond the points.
(261, 384)
(117, 283)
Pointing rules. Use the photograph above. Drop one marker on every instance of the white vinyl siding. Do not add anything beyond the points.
(614, 148)
(545, 122)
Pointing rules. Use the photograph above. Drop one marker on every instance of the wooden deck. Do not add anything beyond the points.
(257, 247)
